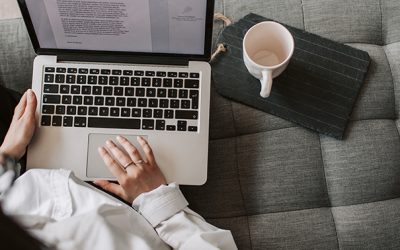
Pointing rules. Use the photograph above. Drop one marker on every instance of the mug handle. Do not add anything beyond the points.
(266, 83)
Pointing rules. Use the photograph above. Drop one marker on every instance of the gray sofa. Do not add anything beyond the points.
(277, 185)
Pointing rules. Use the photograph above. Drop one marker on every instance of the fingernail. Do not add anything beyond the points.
(109, 143)
(100, 149)
(140, 138)
(30, 93)
(119, 138)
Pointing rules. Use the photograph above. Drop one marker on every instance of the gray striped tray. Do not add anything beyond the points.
(317, 90)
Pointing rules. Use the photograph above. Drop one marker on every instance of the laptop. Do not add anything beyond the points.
(126, 67)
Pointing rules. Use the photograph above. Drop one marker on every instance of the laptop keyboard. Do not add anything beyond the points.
(124, 99)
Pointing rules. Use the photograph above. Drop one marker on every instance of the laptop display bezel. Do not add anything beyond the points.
(112, 56)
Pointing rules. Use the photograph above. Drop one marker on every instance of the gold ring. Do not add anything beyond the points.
(127, 165)
(139, 162)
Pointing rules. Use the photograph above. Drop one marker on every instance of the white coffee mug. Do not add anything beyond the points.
(267, 49)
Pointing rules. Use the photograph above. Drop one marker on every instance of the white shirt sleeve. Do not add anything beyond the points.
(165, 208)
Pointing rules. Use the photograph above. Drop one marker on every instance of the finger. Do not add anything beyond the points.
(122, 157)
(20, 108)
(112, 165)
(147, 150)
(132, 150)
(31, 103)
(110, 187)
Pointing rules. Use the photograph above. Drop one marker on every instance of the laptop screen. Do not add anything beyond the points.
(144, 26)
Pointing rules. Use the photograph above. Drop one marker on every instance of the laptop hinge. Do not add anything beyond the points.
(137, 59)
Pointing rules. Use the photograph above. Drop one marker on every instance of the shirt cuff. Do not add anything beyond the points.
(160, 204)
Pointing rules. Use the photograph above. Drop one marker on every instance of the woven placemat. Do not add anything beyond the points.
(317, 90)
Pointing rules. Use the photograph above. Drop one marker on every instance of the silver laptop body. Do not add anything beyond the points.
(163, 97)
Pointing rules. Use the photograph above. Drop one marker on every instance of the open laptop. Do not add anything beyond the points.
(124, 67)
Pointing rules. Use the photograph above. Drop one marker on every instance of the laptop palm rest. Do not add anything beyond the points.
(95, 165)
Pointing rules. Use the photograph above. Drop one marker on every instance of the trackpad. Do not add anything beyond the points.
(95, 165)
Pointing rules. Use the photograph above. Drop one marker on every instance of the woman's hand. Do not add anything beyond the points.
(135, 175)
(22, 127)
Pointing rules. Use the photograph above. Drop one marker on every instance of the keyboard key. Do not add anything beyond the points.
(121, 101)
(121, 123)
(92, 80)
(140, 92)
(66, 99)
(131, 102)
(158, 113)
(114, 112)
(68, 121)
(151, 92)
(71, 110)
(171, 127)
(172, 93)
(183, 74)
(160, 124)
(167, 82)
(82, 110)
(139, 73)
(153, 103)
(135, 81)
(71, 79)
(103, 80)
(76, 89)
(88, 100)
(174, 104)
(52, 99)
(147, 124)
(61, 70)
(168, 114)
(194, 93)
(60, 78)
(194, 75)
(192, 84)
(161, 74)
(49, 70)
(104, 111)
(147, 113)
(129, 91)
(164, 103)
(77, 99)
(97, 90)
(150, 73)
(81, 79)
(156, 82)
(56, 121)
(105, 72)
(161, 93)
(79, 121)
(99, 101)
(185, 104)
(110, 101)
(136, 112)
(172, 74)
(94, 71)
(142, 102)
(114, 80)
(192, 128)
(83, 71)
(146, 82)
(124, 81)
(72, 70)
(182, 125)
(46, 120)
(183, 93)
(48, 78)
(86, 90)
(50, 88)
(107, 90)
(178, 83)
(125, 112)
(117, 72)
(60, 110)
(128, 72)
(93, 111)
(186, 114)
(48, 109)
(118, 91)
(64, 89)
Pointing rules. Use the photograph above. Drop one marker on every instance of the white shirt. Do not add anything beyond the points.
(68, 213)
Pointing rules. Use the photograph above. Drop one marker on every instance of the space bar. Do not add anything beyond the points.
(114, 123)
